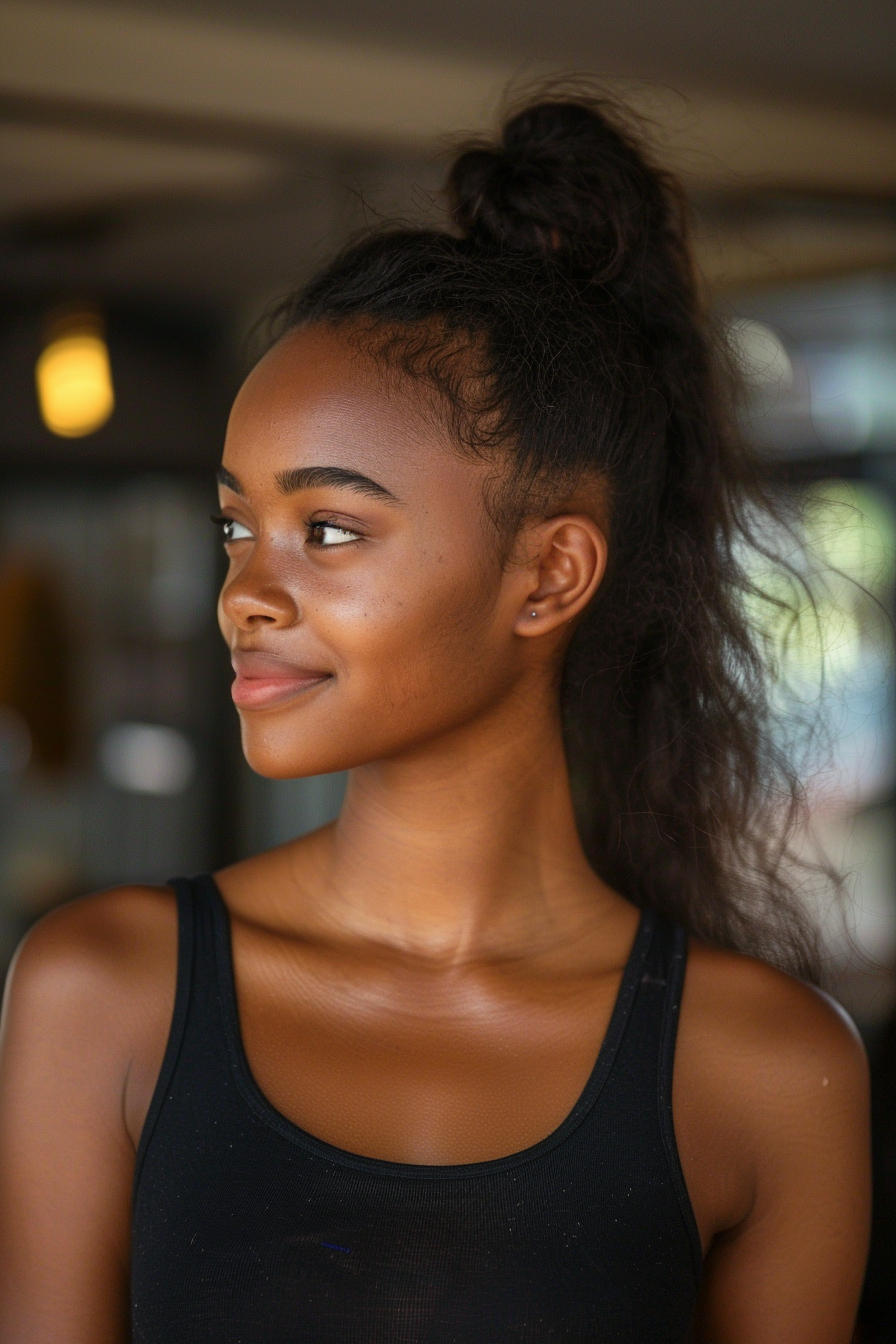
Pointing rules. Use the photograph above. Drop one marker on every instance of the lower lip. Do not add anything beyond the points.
(259, 692)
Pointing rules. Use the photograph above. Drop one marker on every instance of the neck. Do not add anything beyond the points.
(466, 847)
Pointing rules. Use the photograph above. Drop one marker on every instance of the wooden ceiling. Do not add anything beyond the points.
(184, 149)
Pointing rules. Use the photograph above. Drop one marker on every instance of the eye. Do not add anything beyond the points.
(329, 534)
(231, 530)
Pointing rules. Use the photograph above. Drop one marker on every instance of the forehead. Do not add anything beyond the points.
(317, 400)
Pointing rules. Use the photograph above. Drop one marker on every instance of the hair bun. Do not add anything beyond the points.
(564, 179)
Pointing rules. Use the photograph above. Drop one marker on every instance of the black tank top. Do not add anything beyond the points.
(248, 1230)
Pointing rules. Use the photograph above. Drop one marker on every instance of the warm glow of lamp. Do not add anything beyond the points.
(73, 375)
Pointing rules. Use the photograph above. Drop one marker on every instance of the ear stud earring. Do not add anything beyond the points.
(533, 613)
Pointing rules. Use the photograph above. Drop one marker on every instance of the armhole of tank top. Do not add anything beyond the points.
(185, 941)
(678, 954)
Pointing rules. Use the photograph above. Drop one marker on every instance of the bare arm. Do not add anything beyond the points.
(83, 1029)
(791, 1125)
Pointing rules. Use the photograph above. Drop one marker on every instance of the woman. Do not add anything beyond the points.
(410, 1078)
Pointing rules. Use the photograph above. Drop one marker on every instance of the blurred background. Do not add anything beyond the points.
(168, 169)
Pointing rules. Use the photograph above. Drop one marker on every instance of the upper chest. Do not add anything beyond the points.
(392, 1059)
(439, 1066)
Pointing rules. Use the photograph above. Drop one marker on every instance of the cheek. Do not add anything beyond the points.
(413, 656)
(424, 636)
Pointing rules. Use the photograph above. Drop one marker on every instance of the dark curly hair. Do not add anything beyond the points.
(556, 324)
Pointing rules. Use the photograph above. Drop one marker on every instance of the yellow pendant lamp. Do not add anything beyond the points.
(73, 374)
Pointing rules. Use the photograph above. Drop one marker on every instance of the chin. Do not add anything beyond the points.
(276, 750)
(284, 764)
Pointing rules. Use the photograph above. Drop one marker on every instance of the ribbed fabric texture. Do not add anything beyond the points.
(248, 1230)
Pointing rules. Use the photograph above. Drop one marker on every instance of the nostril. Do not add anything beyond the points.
(251, 606)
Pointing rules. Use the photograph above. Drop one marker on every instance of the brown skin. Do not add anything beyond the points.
(429, 979)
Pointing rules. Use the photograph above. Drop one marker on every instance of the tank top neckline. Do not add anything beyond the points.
(268, 1113)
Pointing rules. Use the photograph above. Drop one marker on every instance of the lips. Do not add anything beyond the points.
(263, 679)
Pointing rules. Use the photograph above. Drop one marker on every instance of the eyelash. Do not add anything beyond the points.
(223, 522)
(320, 523)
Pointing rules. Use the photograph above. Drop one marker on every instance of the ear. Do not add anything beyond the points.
(566, 560)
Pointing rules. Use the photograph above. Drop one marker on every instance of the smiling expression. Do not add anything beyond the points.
(366, 606)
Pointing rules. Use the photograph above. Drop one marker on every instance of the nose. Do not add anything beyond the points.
(253, 599)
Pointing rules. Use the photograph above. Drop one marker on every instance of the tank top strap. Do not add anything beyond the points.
(647, 1053)
(660, 988)
(658, 1008)
(664, 973)
(654, 996)
(212, 922)
(196, 1023)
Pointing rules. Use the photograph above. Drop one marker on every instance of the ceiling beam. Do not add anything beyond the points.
(180, 71)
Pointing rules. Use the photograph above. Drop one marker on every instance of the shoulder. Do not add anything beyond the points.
(101, 959)
(752, 1015)
(100, 934)
(84, 1026)
(770, 1090)
(774, 1061)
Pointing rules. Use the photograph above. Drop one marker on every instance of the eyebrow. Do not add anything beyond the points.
(307, 478)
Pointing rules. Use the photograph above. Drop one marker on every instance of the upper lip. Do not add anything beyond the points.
(256, 665)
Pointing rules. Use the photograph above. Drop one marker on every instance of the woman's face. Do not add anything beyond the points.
(366, 605)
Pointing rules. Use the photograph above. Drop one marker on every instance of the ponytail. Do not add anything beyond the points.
(562, 327)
